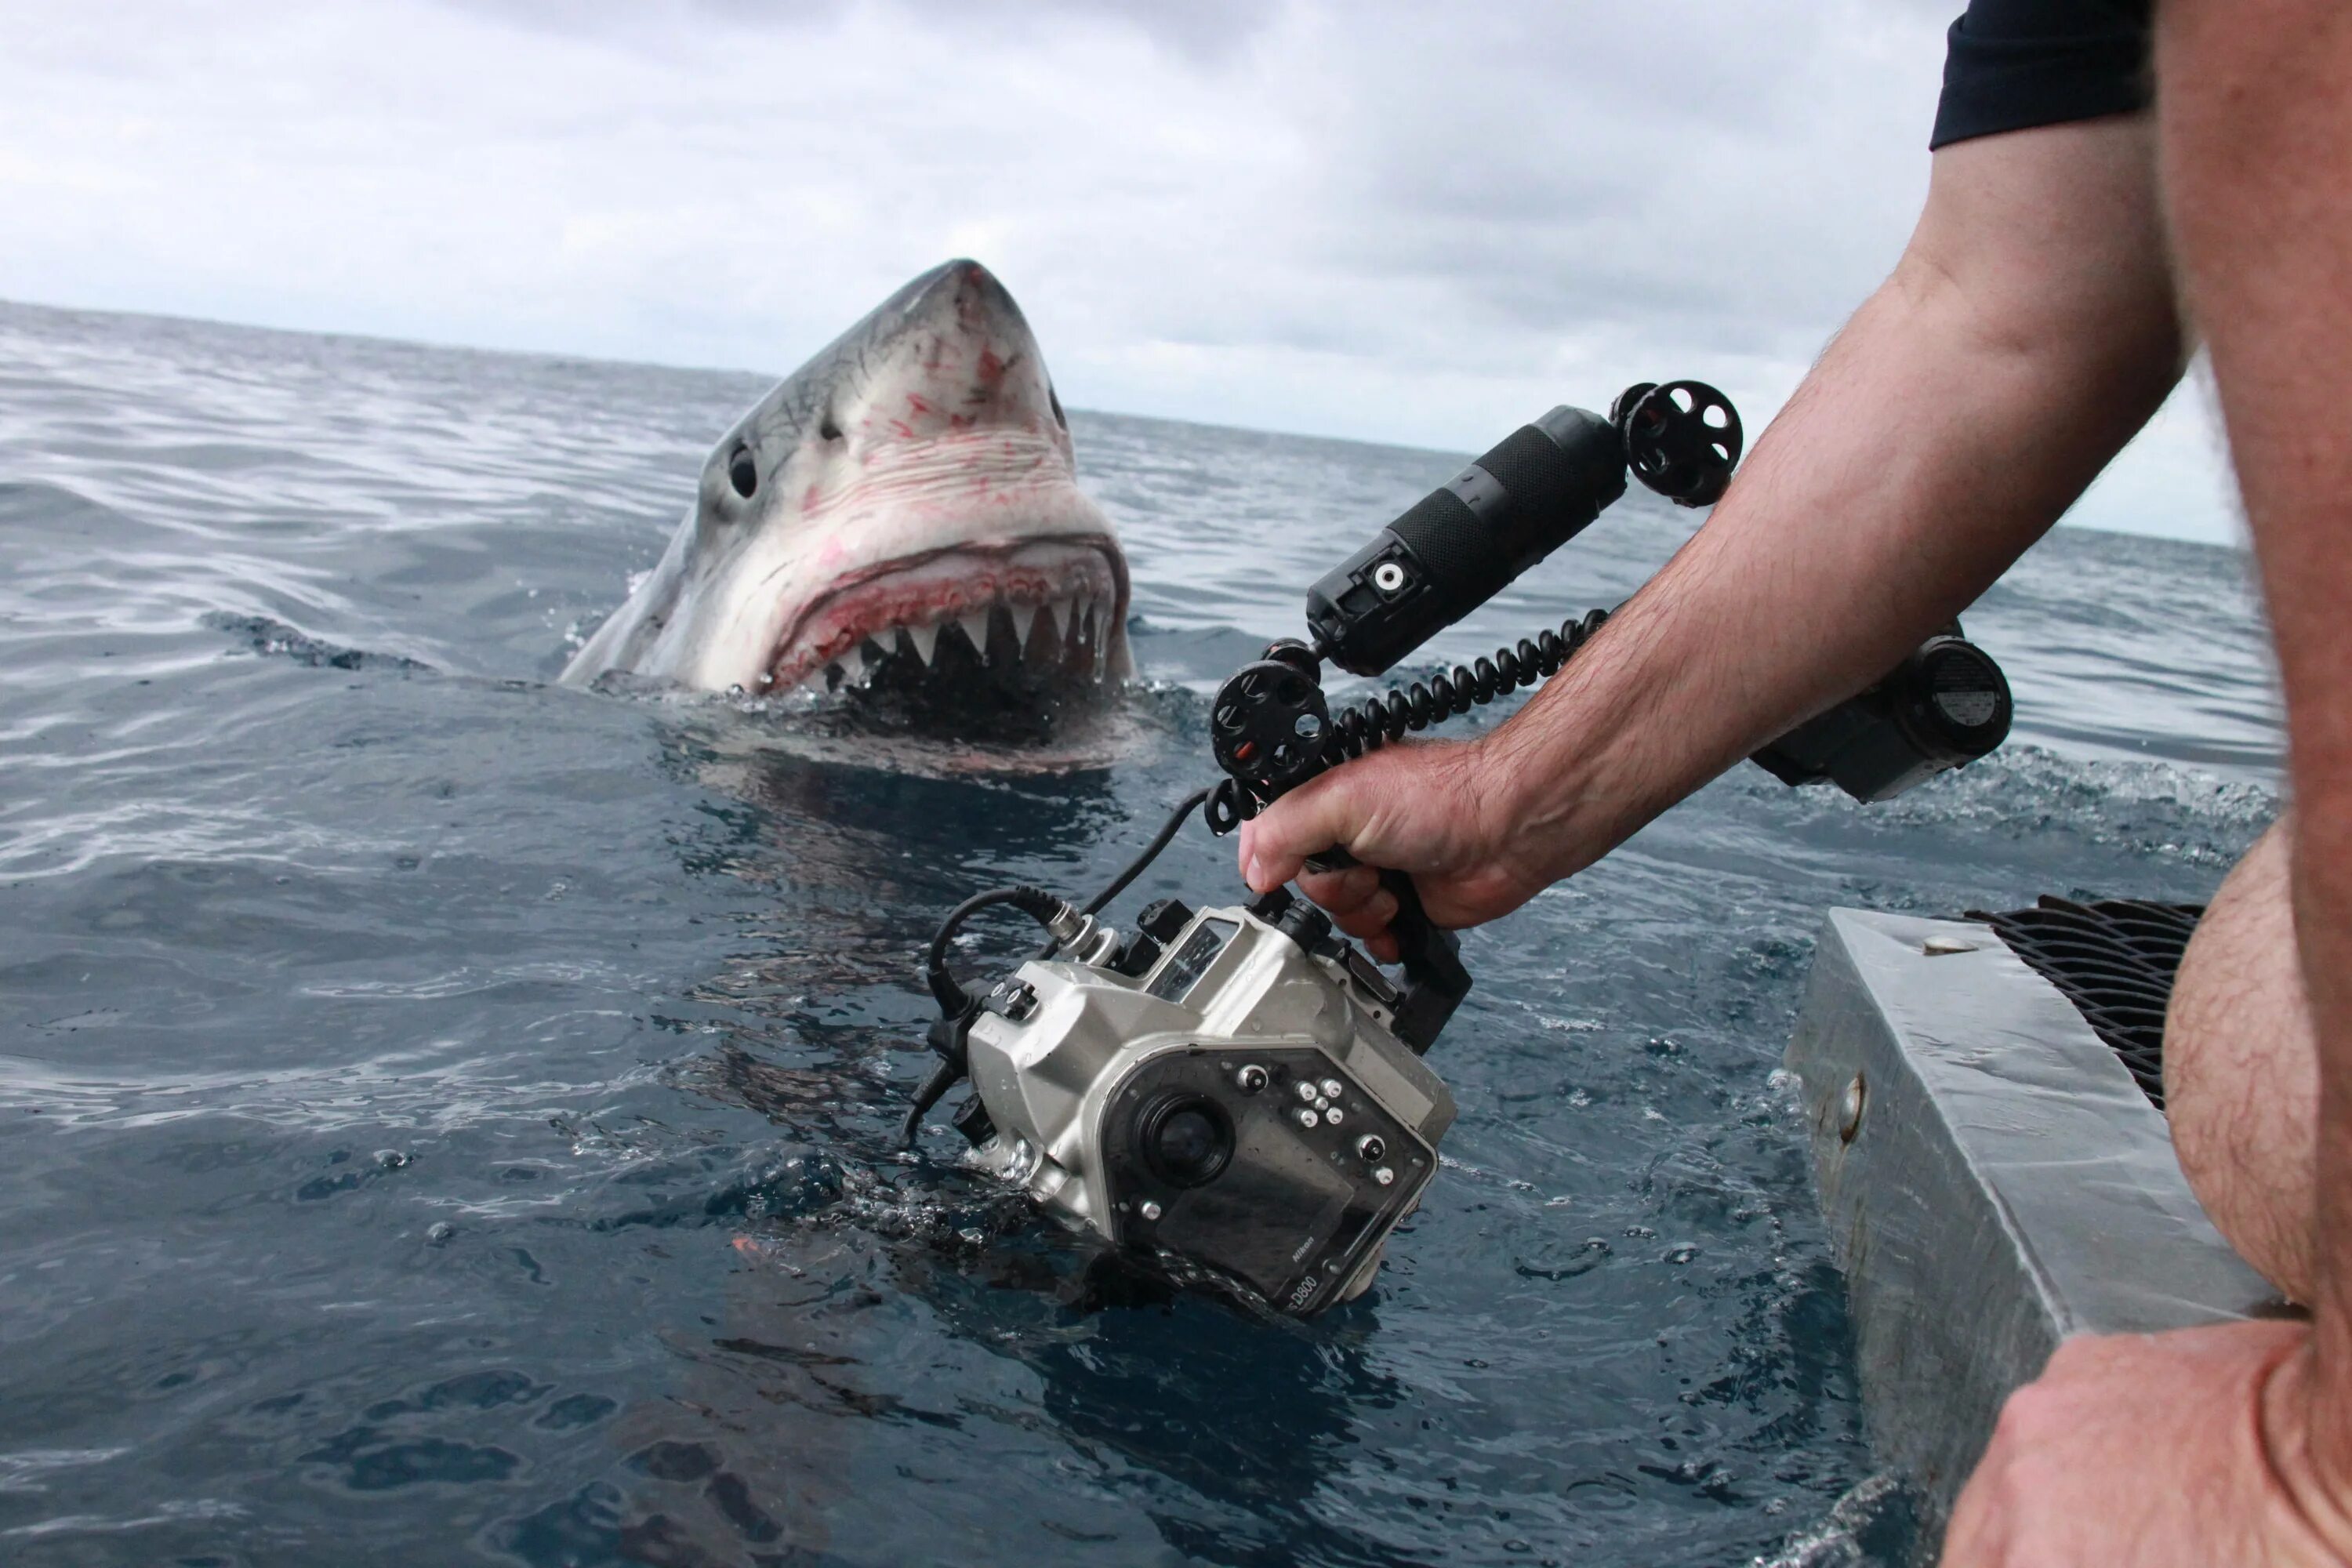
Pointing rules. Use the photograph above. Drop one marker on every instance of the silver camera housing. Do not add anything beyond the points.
(1272, 1039)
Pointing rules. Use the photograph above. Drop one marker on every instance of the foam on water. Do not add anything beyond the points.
(444, 1117)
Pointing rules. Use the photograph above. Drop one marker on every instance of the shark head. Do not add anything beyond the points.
(903, 508)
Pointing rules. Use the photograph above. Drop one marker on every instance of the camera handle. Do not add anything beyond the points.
(1434, 979)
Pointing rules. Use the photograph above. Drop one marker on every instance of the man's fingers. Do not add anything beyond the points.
(1342, 892)
(1369, 918)
(1340, 808)
(1312, 818)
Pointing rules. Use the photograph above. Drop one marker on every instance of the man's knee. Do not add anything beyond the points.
(2241, 1071)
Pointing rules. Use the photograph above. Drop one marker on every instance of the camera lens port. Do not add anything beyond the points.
(1186, 1139)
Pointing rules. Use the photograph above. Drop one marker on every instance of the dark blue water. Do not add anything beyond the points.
(443, 1117)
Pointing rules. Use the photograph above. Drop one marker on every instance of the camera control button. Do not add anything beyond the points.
(1250, 1078)
(1334, 1116)
(1307, 1116)
(1370, 1146)
(1306, 1090)
(1384, 1175)
(1165, 919)
(1332, 1087)
(1149, 1210)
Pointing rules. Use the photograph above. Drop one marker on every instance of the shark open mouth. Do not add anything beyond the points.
(1049, 609)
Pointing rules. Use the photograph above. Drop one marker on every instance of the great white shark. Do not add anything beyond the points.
(902, 509)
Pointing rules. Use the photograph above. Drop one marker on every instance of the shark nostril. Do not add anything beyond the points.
(742, 473)
(828, 430)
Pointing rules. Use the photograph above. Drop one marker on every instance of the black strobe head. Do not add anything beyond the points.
(1957, 695)
(1453, 550)
(1536, 490)
(1943, 707)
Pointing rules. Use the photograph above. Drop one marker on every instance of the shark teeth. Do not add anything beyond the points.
(1040, 629)
(1070, 634)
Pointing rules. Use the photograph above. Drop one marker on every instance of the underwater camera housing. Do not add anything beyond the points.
(1235, 1097)
(1225, 1094)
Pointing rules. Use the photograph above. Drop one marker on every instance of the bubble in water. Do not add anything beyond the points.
(440, 1234)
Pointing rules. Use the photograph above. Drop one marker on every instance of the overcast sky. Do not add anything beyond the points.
(1412, 223)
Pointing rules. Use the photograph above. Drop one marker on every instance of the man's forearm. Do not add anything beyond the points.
(2026, 336)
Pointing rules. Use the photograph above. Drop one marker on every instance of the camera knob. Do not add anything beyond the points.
(1371, 1147)
(1305, 925)
(1165, 919)
(1681, 440)
(1250, 1079)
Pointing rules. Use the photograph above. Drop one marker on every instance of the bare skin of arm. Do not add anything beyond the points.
(2249, 1458)
(2026, 334)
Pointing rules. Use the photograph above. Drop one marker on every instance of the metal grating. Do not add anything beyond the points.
(2115, 959)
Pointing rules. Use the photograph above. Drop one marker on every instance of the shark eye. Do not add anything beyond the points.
(742, 474)
(828, 429)
(1055, 399)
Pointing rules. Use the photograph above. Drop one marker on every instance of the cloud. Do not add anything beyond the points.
(1386, 220)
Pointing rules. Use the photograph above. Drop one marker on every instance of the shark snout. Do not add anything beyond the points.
(963, 361)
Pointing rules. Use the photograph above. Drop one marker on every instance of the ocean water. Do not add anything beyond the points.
(445, 1118)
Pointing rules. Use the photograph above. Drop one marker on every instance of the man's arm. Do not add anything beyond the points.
(2246, 1457)
(2258, 151)
(2255, 102)
(2026, 334)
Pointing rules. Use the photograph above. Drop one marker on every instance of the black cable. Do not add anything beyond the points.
(1371, 724)
(1374, 722)
(1036, 903)
(1043, 907)
(1159, 841)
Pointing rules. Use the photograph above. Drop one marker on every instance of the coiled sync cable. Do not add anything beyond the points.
(1375, 723)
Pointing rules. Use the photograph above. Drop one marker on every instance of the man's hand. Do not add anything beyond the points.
(1433, 809)
(2178, 1450)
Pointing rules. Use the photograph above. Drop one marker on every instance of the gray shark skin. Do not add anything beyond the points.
(905, 502)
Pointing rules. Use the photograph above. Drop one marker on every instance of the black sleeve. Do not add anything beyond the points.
(2018, 63)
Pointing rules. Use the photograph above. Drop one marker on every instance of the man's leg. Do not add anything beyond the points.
(2242, 1069)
